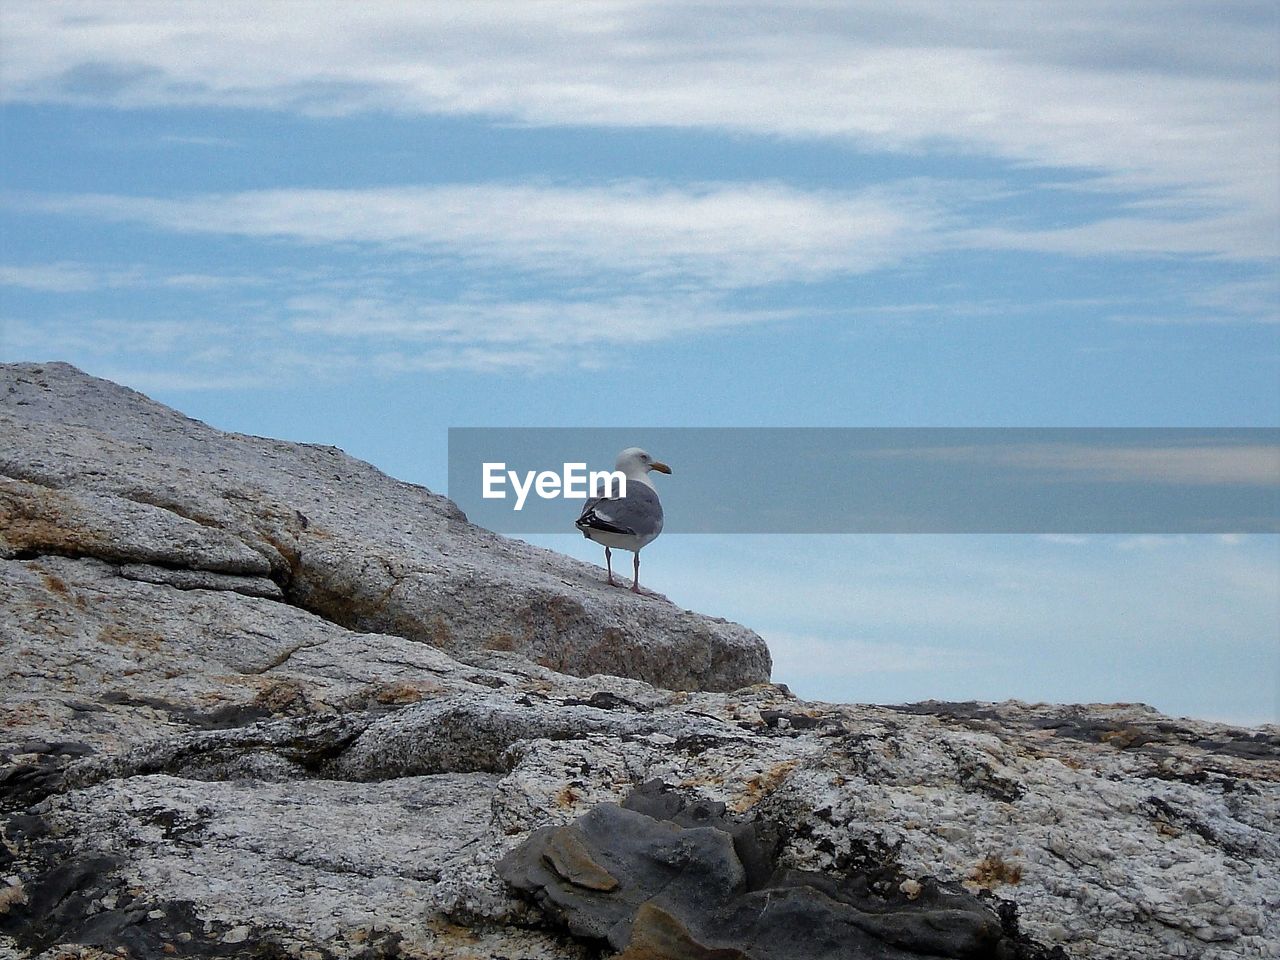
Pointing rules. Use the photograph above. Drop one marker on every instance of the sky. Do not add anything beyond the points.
(362, 224)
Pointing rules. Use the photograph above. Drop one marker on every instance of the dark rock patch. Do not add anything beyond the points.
(954, 710)
(1256, 746)
(1173, 818)
(81, 899)
(698, 743)
(661, 876)
(32, 770)
(604, 700)
(978, 777)
(70, 898)
(220, 718)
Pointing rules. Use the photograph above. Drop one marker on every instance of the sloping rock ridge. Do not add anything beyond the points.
(91, 469)
(206, 750)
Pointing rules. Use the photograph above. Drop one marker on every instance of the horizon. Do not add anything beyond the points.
(364, 230)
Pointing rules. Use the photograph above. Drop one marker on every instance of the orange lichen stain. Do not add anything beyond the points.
(24, 714)
(399, 693)
(283, 697)
(12, 896)
(56, 584)
(120, 636)
(761, 785)
(535, 685)
(452, 933)
(993, 870)
(1124, 738)
(567, 796)
(287, 549)
(500, 641)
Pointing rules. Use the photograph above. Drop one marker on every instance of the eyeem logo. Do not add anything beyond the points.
(573, 482)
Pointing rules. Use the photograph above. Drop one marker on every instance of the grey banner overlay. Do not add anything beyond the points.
(900, 480)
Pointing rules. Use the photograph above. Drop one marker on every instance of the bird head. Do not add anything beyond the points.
(634, 462)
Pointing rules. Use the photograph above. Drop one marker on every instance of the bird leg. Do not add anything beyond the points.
(635, 580)
(608, 565)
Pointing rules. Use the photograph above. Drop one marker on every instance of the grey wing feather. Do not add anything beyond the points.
(639, 513)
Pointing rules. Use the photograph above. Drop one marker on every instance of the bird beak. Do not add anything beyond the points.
(660, 467)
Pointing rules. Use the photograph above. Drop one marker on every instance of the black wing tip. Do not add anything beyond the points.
(592, 522)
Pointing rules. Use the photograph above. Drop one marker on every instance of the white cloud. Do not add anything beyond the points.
(540, 324)
(52, 277)
(723, 234)
(726, 234)
(1242, 234)
(325, 330)
(1245, 463)
(106, 337)
(198, 141)
(72, 277)
(1198, 462)
(1151, 541)
(1181, 103)
(149, 380)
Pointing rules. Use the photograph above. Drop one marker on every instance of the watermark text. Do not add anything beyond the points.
(574, 482)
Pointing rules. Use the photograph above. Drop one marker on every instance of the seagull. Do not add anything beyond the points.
(629, 522)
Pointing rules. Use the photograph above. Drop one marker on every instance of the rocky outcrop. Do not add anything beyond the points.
(91, 469)
(202, 754)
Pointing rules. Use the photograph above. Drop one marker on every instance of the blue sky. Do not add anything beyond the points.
(361, 224)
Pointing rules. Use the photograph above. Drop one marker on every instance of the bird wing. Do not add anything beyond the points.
(637, 514)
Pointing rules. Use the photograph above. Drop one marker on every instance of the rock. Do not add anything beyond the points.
(39, 520)
(686, 893)
(91, 469)
(384, 823)
(202, 580)
(198, 760)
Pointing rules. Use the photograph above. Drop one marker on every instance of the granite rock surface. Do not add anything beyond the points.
(230, 727)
